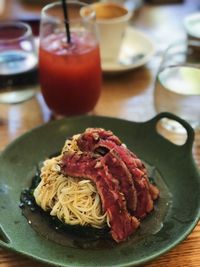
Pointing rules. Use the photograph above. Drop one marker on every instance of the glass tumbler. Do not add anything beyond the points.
(70, 70)
(177, 87)
(18, 63)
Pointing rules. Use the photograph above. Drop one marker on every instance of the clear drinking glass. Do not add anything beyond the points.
(177, 88)
(18, 63)
(70, 72)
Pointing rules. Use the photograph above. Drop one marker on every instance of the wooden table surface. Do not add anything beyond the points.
(128, 96)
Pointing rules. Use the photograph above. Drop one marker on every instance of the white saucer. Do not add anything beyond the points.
(136, 50)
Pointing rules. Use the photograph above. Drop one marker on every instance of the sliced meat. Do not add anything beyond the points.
(92, 136)
(146, 192)
(89, 166)
(153, 191)
(120, 178)
(120, 171)
(91, 140)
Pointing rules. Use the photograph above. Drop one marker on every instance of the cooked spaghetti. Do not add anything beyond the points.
(73, 200)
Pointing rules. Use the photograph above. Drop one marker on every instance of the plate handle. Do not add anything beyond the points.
(186, 125)
(4, 239)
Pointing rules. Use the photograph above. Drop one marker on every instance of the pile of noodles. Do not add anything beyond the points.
(72, 200)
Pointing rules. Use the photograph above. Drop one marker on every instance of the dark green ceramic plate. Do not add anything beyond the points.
(172, 167)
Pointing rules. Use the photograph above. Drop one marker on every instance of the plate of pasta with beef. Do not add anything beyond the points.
(97, 191)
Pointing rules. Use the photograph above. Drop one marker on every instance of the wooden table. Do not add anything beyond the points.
(128, 96)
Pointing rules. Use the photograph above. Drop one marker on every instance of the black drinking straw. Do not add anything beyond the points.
(66, 21)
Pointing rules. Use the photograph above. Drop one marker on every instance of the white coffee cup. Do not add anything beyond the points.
(112, 20)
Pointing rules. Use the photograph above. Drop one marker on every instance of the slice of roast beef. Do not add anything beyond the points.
(88, 166)
(120, 171)
(153, 191)
(92, 136)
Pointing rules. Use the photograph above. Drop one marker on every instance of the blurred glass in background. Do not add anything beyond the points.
(18, 63)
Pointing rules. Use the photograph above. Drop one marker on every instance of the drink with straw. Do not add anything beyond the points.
(70, 72)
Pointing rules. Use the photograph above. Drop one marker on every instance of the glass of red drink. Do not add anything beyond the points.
(70, 72)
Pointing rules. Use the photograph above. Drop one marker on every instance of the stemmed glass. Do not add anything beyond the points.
(177, 88)
(70, 71)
